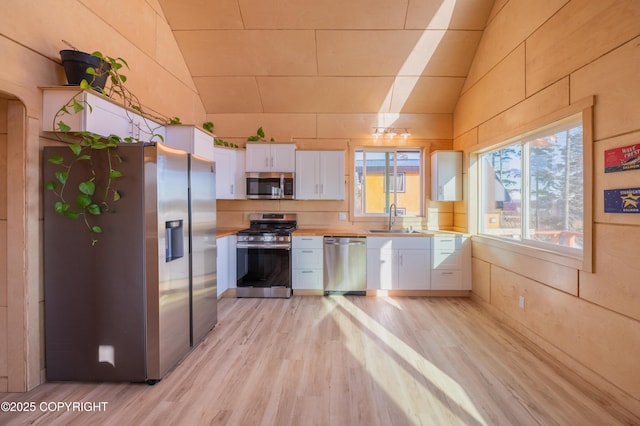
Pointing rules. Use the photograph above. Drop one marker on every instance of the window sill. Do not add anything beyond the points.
(564, 259)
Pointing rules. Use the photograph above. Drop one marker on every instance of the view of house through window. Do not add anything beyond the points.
(532, 189)
(388, 176)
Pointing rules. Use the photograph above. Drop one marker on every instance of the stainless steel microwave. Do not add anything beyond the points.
(270, 186)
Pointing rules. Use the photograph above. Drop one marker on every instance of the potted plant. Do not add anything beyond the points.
(83, 202)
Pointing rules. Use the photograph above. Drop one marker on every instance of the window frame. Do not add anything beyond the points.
(523, 142)
(495, 137)
(395, 148)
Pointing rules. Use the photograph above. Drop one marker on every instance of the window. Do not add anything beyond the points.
(531, 189)
(386, 176)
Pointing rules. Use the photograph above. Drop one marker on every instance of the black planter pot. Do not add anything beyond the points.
(75, 65)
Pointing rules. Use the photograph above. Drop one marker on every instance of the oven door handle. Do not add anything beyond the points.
(277, 246)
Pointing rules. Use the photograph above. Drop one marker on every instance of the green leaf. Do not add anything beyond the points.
(253, 139)
(83, 200)
(96, 229)
(99, 145)
(116, 195)
(91, 71)
(123, 78)
(84, 157)
(62, 177)
(71, 214)
(85, 85)
(52, 185)
(87, 187)
(75, 148)
(55, 159)
(113, 173)
(77, 106)
(60, 207)
(260, 132)
(63, 127)
(94, 209)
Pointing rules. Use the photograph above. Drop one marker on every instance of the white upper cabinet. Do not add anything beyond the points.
(190, 139)
(230, 183)
(446, 175)
(270, 157)
(320, 175)
(101, 115)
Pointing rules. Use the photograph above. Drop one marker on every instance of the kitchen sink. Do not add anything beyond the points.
(395, 231)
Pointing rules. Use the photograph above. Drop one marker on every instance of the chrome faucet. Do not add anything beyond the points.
(395, 214)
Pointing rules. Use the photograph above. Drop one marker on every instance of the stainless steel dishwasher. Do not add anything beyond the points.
(345, 265)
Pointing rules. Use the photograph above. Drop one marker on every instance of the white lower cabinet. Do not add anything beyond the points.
(307, 263)
(401, 263)
(226, 263)
(451, 263)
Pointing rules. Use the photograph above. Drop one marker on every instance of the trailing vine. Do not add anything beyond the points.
(82, 202)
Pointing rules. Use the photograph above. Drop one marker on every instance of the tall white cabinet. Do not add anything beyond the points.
(320, 175)
(230, 182)
(446, 175)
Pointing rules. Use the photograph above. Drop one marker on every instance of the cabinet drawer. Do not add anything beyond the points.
(306, 242)
(307, 279)
(446, 259)
(306, 258)
(447, 243)
(446, 280)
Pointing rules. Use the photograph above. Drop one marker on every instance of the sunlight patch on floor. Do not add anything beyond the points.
(431, 373)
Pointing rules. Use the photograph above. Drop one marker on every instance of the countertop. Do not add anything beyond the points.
(225, 232)
(341, 232)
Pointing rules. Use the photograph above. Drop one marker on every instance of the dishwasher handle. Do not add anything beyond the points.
(332, 242)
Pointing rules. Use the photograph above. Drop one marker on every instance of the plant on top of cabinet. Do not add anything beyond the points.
(259, 136)
(84, 202)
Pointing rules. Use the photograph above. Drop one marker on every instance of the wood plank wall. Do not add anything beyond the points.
(536, 59)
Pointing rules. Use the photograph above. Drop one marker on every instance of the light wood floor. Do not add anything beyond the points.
(347, 361)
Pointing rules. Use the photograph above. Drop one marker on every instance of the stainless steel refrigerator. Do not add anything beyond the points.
(131, 307)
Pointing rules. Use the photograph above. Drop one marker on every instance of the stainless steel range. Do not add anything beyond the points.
(264, 255)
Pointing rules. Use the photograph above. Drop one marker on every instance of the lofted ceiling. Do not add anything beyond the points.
(328, 56)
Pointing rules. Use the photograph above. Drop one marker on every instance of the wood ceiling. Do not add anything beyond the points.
(329, 56)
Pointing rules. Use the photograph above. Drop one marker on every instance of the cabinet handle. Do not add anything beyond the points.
(307, 272)
(315, 191)
(401, 260)
(271, 161)
(321, 189)
(231, 187)
(306, 239)
(446, 273)
(307, 251)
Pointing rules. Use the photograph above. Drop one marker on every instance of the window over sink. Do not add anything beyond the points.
(386, 176)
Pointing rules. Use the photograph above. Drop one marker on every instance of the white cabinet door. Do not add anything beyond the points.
(414, 269)
(307, 186)
(270, 157)
(258, 157)
(190, 139)
(222, 264)
(382, 270)
(446, 175)
(229, 173)
(320, 175)
(283, 157)
(100, 115)
(332, 175)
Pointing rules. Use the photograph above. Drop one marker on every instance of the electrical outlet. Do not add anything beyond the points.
(521, 302)
(342, 216)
